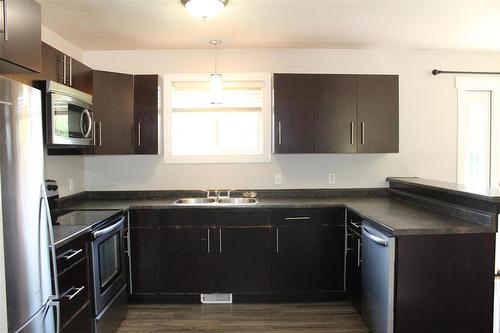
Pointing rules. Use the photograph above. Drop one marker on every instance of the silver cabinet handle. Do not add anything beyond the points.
(139, 134)
(5, 34)
(70, 254)
(93, 134)
(280, 134)
(277, 239)
(65, 69)
(220, 240)
(100, 133)
(70, 72)
(362, 132)
(351, 137)
(359, 252)
(298, 218)
(208, 243)
(73, 295)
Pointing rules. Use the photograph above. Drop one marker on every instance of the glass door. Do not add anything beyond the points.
(109, 260)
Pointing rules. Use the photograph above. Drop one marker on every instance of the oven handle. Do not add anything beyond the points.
(116, 226)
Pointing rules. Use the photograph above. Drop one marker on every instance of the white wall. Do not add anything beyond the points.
(428, 120)
(64, 168)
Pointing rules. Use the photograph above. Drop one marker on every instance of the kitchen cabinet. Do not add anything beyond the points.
(334, 113)
(146, 101)
(378, 113)
(296, 252)
(20, 41)
(353, 260)
(113, 113)
(257, 252)
(333, 249)
(185, 257)
(449, 277)
(74, 283)
(293, 113)
(81, 77)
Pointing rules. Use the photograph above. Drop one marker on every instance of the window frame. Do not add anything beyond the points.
(168, 158)
(479, 84)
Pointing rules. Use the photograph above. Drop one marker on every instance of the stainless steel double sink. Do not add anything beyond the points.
(215, 201)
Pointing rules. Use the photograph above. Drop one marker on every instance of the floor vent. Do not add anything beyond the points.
(216, 298)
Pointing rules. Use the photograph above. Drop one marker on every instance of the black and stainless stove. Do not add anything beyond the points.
(107, 257)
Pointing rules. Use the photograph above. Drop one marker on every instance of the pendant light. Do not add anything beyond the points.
(216, 77)
(204, 8)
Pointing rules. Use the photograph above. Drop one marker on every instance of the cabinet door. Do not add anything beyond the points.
(335, 113)
(296, 260)
(142, 259)
(185, 257)
(333, 245)
(293, 113)
(353, 269)
(20, 44)
(146, 94)
(243, 262)
(378, 113)
(81, 77)
(114, 113)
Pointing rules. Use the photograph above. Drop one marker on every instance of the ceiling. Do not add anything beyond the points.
(396, 24)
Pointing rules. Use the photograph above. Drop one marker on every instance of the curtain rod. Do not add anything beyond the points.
(437, 72)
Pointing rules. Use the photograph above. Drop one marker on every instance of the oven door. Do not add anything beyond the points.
(108, 263)
(71, 121)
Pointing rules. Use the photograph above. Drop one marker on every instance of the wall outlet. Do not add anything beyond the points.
(331, 178)
(71, 184)
(278, 179)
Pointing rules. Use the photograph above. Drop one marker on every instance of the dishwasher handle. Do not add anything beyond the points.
(374, 238)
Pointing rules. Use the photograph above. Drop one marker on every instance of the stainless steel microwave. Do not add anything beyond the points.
(68, 115)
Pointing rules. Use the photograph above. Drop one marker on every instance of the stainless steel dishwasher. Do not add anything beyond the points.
(377, 280)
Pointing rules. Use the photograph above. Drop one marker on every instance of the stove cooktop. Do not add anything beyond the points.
(87, 217)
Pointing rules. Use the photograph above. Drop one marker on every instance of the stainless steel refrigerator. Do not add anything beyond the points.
(29, 291)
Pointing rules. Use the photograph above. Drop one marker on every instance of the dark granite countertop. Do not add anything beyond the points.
(394, 216)
(486, 194)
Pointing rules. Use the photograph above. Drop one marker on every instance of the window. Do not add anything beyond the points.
(228, 125)
(478, 141)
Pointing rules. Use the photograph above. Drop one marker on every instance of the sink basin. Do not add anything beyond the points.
(194, 201)
(237, 201)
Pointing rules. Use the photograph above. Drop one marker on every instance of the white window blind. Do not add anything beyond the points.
(223, 126)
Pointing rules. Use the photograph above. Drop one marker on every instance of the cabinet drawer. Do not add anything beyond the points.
(81, 323)
(74, 290)
(71, 253)
(297, 217)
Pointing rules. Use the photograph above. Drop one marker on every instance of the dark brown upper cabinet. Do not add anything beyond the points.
(335, 114)
(146, 101)
(293, 113)
(113, 113)
(20, 39)
(378, 113)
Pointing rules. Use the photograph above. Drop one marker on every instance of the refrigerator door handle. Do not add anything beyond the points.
(48, 222)
(53, 302)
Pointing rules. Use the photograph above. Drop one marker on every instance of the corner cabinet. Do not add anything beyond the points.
(336, 113)
(20, 42)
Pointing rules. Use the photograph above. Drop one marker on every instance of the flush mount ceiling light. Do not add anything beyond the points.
(204, 8)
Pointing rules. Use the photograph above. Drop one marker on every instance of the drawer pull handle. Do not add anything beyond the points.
(70, 254)
(298, 218)
(73, 295)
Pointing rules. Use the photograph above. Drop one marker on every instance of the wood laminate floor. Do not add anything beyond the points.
(334, 317)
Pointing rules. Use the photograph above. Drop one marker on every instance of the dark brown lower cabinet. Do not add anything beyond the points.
(185, 259)
(239, 251)
(80, 323)
(142, 264)
(243, 261)
(444, 283)
(296, 259)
